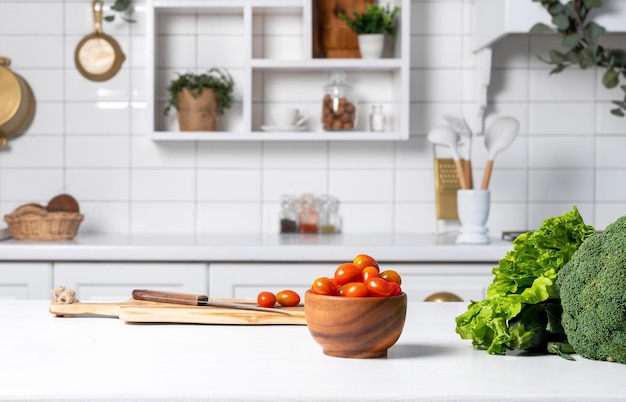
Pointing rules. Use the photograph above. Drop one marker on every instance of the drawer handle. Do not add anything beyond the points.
(443, 297)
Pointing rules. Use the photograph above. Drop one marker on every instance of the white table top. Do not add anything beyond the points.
(93, 359)
(247, 247)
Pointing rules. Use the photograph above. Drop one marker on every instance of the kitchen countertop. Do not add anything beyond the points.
(247, 247)
(94, 359)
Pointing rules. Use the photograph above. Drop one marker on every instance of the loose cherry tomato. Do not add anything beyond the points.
(368, 272)
(287, 298)
(396, 290)
(364, 260)
(266, 299)
(347, 273)
(324, 286)
(354, 289)
(391, 276)
(378, 287)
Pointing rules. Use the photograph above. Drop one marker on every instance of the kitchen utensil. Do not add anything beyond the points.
(138, 311)
(498, 137)
(197, 300)
(445, 136)
(459, 124)
(98, 56)
(18, 102)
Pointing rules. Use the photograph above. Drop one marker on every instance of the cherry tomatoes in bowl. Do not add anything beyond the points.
(369, 272)
(324, 286)
(378, 287)
(391, 276)
(266, 299)
(396, 290)
(353, 289)
(346, 273)
(364, 260)
(287, 298)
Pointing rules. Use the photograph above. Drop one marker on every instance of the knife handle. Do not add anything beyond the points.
(169, 297)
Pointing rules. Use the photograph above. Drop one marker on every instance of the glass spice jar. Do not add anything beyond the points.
(288, 214)
(339, 104)
(307, 217)
(329, 220)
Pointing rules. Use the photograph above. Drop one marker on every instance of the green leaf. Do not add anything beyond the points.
(594, 31)
(556, 8)
(120, 5)
(571, 40)
(593, 3)
(540, 27)
(557, 57)
(109, 18)
(586, 58)
(558, 69)
(618, 112)
(561, 21)
(610, 79)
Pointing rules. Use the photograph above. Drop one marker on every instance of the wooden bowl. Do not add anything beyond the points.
(355, 327)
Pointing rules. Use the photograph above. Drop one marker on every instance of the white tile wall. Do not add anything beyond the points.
(87, 138)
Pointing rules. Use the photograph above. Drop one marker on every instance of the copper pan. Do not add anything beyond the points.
(98, 56)
(17, 102)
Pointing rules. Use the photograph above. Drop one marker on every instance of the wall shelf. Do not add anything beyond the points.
(272, 64)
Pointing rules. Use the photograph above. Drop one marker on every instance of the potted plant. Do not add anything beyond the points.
(200, 99)
(581, 45)
(371, 27)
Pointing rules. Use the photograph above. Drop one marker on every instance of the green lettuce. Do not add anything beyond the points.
(525, 276)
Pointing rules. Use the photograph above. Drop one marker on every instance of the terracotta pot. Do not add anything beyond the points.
(18, 102)
(332, 35)
(197, 113)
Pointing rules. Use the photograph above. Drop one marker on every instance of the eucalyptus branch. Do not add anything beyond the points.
(581, 42)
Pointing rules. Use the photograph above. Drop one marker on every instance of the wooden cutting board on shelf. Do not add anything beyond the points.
(137, 311)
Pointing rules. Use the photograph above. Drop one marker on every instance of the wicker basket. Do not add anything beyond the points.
(48, 226)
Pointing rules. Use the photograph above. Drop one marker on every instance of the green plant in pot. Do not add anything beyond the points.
(371, 27)
(581, 44)
(200, 99)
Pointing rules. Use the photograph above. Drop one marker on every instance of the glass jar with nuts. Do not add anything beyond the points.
(338, 105)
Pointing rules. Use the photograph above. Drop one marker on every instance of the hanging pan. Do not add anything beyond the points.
(98, 56)
(18, 102)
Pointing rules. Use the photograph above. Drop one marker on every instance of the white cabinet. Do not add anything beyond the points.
(246, 280)
(266, 45)
(112, 281)
(25, 280)
(468, 280)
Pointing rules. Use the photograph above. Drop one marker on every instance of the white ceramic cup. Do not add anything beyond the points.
(473, 209)
(288, 117)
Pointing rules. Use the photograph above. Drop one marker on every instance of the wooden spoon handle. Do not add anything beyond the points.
(461, 174)
(169, 297)
(487, 174)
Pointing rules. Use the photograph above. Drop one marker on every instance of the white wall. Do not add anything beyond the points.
(87, 138)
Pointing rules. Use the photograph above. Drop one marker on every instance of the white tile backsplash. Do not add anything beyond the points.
(88, 138)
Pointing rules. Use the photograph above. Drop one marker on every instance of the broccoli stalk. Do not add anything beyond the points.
(592, 287)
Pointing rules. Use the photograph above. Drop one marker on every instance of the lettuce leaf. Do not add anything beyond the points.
(525, 276)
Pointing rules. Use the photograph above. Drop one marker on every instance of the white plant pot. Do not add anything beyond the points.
(371, 45)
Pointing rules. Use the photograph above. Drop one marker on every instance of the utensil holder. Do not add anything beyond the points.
(473, 209)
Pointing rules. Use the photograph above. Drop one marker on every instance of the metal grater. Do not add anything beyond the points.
(446, 186)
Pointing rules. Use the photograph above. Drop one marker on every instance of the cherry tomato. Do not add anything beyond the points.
(266, 299)
(287, 298)
(347, 273)
(368, 272)
(396, 290)
(324, 286)
(391, 276)
(354, 289)
(378, 287)
(364, 260)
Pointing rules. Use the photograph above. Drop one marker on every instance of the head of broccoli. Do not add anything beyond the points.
(592, 288)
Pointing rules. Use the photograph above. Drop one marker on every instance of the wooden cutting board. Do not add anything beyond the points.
(137, 311)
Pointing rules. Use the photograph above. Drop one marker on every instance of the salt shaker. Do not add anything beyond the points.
(377, 118)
